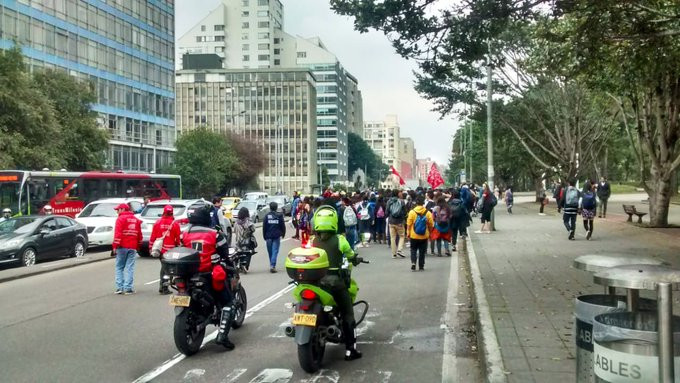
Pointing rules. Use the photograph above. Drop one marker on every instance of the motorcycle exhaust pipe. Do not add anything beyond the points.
(290, 331)
(332, 331)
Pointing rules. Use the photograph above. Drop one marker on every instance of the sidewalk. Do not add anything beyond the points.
(18, 272)
(530, 284)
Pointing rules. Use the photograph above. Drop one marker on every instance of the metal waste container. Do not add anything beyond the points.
(625, 347)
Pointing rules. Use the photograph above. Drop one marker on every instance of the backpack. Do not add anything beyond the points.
(571, 199)
(396, 209)
(364, 214)
(494, 200)
(380, 213)
(420, 226)
(349, 217)
(589, 200)
(442, 215)
(456, 210)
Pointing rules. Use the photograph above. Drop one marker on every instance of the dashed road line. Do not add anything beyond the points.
(152, 282)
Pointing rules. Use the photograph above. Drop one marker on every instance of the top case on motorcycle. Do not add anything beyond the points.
(181, 261)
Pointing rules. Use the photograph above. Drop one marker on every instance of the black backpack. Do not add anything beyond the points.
(396, 209)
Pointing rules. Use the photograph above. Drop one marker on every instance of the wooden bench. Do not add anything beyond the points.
(630, 210)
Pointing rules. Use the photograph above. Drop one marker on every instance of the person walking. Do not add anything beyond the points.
(366, 217)
(543, 199)
(486, 205)
(442, 226)
(349, 217)
(273, 229)
(429, 205)
(6, 214)
(169, 232)
(305, 223)
(509, 199)
(588, 207)
(244, 236)
(127, 239)
(380, 214)
(570, 204)
(396, 218)
(294, 214)
(604, 191)
(459, 217)
(419, 225)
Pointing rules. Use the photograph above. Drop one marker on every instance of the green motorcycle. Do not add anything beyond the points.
(316, 319)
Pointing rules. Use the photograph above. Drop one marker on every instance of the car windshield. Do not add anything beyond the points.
(280, 200)
(250, 205)
(254, 196)
(99, 210)
(18, 225)
(228, 201)
(156, 211)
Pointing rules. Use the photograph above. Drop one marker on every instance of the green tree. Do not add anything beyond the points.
(251, 161)
(82, 144)
(361, 156)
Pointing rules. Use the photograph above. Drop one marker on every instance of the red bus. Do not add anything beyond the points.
(27, 192)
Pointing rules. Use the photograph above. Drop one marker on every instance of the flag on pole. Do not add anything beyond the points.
(396, 173)
(434, 178)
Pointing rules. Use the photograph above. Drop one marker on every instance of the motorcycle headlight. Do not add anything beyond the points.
(12, 243)
(102, 229)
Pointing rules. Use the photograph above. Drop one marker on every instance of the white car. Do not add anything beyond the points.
(100, 218)
(154, 210)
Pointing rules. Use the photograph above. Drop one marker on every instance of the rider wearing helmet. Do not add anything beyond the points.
(6, 214)
(213, 249)
(337, 280)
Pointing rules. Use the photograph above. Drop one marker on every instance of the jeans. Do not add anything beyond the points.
(569, 222)
(273, 250)
(439, 245)
(397, 234)
(455, 230)
(351, 235)
(603, 207)
(125, 268)
(418, 250)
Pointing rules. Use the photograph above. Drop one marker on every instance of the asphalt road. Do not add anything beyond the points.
(68, 326)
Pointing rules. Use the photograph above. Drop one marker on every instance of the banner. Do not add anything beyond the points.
(396, 173)
(434, 178)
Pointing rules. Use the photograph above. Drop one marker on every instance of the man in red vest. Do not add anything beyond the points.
(127, 238)
(169, 230)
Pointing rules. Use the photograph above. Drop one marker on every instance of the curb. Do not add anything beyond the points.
(487, 340)
(68, 265)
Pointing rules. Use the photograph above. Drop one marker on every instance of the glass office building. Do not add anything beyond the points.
(125, 48)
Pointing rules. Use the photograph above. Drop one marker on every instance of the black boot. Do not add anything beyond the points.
(223, 328)
(351, 352)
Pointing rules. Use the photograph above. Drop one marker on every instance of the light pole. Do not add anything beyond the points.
(489, 132)
(279, 135)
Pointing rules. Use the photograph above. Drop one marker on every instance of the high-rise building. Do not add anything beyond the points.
(383, 137)
(125, 48)
(249, 34)
(407, 157)
(274, 109)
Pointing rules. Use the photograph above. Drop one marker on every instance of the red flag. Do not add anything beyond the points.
(396, 173)
(434, 178)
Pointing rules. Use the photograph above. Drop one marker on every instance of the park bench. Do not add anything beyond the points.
(630, 210)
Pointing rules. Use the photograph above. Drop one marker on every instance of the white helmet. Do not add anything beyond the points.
(47, 208)
(6, 211)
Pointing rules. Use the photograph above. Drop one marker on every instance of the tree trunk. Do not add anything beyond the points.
(674, 183)
(538, 186)
(659, 191)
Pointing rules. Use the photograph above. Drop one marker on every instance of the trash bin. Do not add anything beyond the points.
(625, 347)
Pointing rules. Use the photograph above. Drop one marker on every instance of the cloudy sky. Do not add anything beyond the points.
(385, 79)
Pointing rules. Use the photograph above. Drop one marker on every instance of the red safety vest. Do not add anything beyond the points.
(203, 239)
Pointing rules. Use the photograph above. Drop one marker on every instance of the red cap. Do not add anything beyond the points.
(168, 209)
(122, 206)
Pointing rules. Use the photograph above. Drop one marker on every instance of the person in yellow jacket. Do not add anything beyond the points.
(419, 225)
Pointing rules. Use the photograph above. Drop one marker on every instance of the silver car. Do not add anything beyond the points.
(285, 206)
(154, 210)
(253, 207)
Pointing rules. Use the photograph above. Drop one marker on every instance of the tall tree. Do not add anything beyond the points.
(251, 161)
(361, 156)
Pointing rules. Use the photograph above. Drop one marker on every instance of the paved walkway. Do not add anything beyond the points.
(530, 284)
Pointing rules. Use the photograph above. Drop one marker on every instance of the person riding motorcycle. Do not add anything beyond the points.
(213, 249)
(6, 214)
(337, 281)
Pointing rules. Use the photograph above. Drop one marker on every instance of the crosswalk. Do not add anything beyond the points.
(282, 375)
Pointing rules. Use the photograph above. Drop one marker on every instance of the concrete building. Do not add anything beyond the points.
(249, 34)
(407, 157)
(273, 108)
(125, 48)
(383, 137)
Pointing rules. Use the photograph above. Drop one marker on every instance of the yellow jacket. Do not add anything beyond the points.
(411, 220)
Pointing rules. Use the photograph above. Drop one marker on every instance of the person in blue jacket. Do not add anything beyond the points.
(293, 214)
(273, 229)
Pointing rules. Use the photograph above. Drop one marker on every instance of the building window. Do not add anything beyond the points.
(277, 51)
(301, 55)
(262, 13)
(246, 58)
(244, 3)
(245, 13)
(202, 28)
(245, 47)
(262, 2)
(276, 40)
(263, 35)
(219, 49)
(245, 25)
(263, 46)
(200, 39)
(219, 27)
(263, 57)
(277, 62)
(244, 36)
(219, 38)
(263, 24)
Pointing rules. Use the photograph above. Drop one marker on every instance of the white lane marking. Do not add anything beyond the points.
(449, 367)
(196, 373)
(273, 375)
(52, 264)
(152, 282)
(234, 375)
(149, 376)
(364, 327)
(330, 376)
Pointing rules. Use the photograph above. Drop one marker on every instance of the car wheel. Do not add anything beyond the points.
(28, 257)
(79, 249)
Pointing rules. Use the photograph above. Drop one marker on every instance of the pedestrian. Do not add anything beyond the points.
(429, 205)
(396, 217)
(588, 207)
(349, 217)
(244, 237)
(366, 217)
(509, 198)
(127, 239)
(543, 199)
(380, 217)
(459, 217)
(294, 214)
(273, 229)
(419, 225)
(305, 224)
(485, 206)
(442, 226)
(169, 232)
(604, 191)
(559, 192)
(570, 204)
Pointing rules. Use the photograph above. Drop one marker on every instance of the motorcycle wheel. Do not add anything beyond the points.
(187, 340)
(310, 355)
(241, 305)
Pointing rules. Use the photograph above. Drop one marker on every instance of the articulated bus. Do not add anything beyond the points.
(27, 192)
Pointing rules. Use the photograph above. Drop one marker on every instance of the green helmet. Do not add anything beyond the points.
(325, 219)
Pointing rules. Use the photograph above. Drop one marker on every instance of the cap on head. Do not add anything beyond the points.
(122, 206)
(47, 207)
(168, 210)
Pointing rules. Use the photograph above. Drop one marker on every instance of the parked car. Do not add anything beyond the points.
(154, 210)
(253, 208)
(100, 218)
(228, 205)
(32, 238)
(285, 206)
(261, 197)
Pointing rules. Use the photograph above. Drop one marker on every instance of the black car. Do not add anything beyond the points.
(32, 238)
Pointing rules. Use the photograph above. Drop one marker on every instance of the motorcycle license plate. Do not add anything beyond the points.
(304, 319)
(180, 300)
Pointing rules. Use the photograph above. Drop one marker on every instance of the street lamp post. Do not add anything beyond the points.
(489, 132)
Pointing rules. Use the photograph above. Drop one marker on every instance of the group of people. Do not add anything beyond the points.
(572, 202)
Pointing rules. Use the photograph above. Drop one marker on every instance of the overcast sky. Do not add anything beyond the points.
(385, 79)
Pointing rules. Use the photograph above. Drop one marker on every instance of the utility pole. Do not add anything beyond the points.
(489, 132)
(470, 145)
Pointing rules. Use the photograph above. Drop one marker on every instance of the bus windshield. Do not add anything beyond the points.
(9, 196)
(18, 225)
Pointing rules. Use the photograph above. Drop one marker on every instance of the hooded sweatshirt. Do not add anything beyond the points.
(411, 220)
(166, 224)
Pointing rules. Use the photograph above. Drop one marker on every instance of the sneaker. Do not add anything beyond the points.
(394, 257)
(448, 253)
(599, 216)
(421, 268)
(541, 213)
(478, 232)
(453, 249)
(413, 267)
(164, 291)
(118, 291)
(129, 292)
(273, 270)
(399, 253)
(590, 234)
(226, 343)
(352, 354)
(438, 254)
